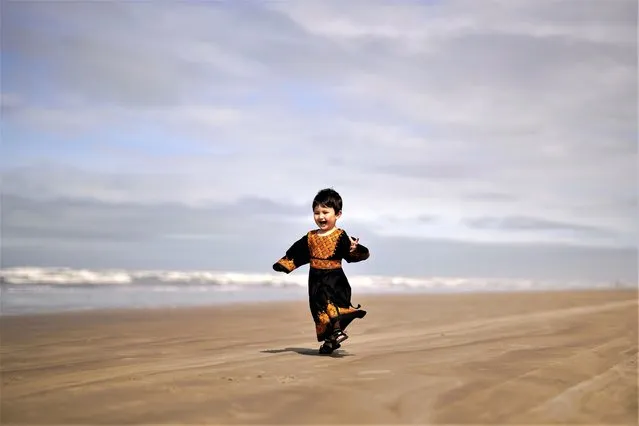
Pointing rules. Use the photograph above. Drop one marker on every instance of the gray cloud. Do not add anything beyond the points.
(490, 196)
(393, 219)
(224, 50)
(79, 219)
(91, 61)
(435, 257)
(427, 218)
(244, 235)
(433, 171)
(524, 223)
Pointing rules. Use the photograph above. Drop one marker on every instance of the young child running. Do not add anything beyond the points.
(329, 291)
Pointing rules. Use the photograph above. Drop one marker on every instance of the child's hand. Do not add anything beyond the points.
(354, 242)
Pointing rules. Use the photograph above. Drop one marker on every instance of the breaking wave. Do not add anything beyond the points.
(234, 281)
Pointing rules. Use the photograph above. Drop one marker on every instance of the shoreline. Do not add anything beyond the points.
(302, 297)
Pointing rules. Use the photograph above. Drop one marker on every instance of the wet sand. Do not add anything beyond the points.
(536, 358)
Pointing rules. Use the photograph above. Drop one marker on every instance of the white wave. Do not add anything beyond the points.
(64, 276)
(235, 281)
(35, 275)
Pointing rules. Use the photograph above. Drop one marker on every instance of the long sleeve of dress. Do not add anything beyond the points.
(297, 255)
(361, 252)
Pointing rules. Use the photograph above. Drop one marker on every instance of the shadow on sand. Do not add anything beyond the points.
(306, 351)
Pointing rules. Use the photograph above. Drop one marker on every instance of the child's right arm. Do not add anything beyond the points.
(296, 256)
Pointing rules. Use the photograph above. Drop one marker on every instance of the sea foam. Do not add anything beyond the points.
(238, 280)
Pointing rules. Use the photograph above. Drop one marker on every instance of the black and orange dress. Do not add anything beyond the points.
(329, 292)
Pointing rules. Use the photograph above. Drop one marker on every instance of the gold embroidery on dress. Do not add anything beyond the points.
(331, 310)
(323, 321)
(323, 246)
(324, 318)
(287, 263)
(343, 311)
(325, 264)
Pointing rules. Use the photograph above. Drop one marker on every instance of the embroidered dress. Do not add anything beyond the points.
(329, 292)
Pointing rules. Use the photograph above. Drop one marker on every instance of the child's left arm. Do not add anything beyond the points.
(353, 251)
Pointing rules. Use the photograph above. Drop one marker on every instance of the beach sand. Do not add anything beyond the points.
(536, 358)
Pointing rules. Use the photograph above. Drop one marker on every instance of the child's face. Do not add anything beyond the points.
(325, 217)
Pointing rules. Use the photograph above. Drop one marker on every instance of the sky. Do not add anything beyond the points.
(467, 138)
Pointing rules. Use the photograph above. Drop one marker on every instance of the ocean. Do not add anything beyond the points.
(25, 291)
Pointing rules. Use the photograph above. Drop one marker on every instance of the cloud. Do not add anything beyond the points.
(491, 196)
(523, 112)
(436, 171)
(519, 223)
(77, 231)
(252, 234)
(445, 257)
(78, 219)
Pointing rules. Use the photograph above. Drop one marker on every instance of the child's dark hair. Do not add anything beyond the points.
(330, 198)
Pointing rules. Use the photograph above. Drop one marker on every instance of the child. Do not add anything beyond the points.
(328, 288)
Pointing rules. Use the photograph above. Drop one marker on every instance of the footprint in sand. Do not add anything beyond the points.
(286, 379)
